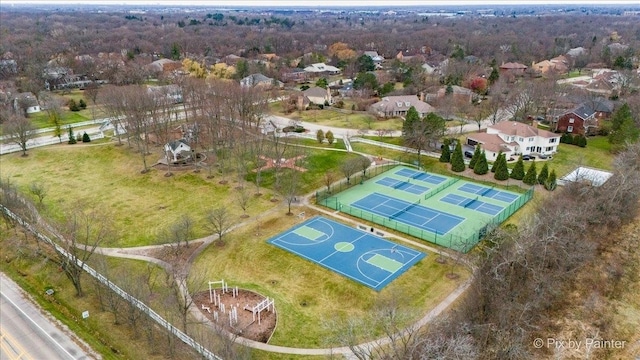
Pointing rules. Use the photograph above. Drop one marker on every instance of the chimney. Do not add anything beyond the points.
(300, 103)
(422, 96)
(534, 124)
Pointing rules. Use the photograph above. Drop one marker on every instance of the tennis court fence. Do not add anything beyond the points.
(354, 180)
(455, 241)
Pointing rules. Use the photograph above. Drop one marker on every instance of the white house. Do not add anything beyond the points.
(515, 138)
(27, 102)
(176, 148)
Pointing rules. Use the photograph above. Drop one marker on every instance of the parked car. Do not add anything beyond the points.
(528, 157)
(542, 156)
(468, 154)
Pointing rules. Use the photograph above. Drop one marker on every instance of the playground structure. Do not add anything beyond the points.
(281, 163)
(225, 302)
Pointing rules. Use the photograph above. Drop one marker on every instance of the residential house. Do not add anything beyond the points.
(164, 66)
(177, 149)
(318, 95)
(557, 65)
(296, 75)
(459, 93)
(515, 138)
(395, 106)
(513, 68)
(232, 59)
(259, 80)
(322, 69)
(602, 107)
(8, 67)
(172, 93)
(579, 120)
(376, 58)
(26, 102)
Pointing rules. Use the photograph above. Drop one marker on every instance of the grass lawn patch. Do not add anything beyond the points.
(596, 154)
(108, 176)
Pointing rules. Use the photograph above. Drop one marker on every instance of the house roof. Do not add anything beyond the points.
(583, 111)
(492, 142)
(402, 103)
(315, 92)
(175, 144)
(321, 67)
(602, 105)
(521, 129)
(513, 66)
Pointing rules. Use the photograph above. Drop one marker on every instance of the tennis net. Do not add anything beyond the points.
(402, 211)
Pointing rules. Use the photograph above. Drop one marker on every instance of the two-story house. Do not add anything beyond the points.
(579, 120)
(515, 138)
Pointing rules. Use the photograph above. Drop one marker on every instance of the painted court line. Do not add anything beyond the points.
(385, 263)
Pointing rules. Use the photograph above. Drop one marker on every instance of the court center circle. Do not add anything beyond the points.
(344, 246)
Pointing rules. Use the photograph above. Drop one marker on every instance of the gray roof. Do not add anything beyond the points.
(402, 103)
(315, 92)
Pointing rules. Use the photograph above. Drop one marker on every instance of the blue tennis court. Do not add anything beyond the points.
(474, 204)
(420, 175)
(412, 214)
(353, 253)
(402, 185)
(489, 192)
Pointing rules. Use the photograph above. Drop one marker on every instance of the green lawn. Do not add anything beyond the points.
(596, 154)
(335, 118)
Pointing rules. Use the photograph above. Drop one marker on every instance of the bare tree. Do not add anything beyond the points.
(289, 187)
(349, 168)
(243, 197)
(19, 131)
(80, 236)
(219, 221)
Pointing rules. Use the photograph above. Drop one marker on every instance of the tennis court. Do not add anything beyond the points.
(402, 185)
(488, 192)
(355, 254)
(421, 175)
(470, 203)
(452, 212)
(409, 213)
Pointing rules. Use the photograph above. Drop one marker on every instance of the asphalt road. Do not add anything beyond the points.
(25, 333)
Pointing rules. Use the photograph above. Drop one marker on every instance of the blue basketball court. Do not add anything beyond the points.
(489, 192)
(402, 185)
(470, 203)
(353, 253)
(420, 175)
(412, 214)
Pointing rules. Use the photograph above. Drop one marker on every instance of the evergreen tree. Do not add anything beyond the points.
(476, 155)
(72, 138)
(445, 157)
(544, 174)
(82, 104)
(457, 161)
(322, 82)
(551, 182)
(502, 172)
(320, 136)
(623, 128)
(412, 118)
(496, 163)
(518, 170)
(481, 167)
(329, 137)
(531, 177)
(86, 138)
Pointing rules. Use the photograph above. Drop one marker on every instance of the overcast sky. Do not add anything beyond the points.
(332, 3)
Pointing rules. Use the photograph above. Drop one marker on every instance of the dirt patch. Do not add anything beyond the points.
(173, 253)
(246, 327)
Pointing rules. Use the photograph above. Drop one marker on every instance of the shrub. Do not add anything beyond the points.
(445, 157)
(551, 182)
(320, 136)
(481, 167)
(457, 161)
(329, 136)
(502, 172)
(544, 174)
(72, 137)
(530, 178)
(518, 170)
(339, 104)
(73, 106)
(86, 138)
(475, 157)
(82, 104)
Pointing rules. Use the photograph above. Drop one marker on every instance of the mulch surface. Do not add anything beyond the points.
(246, 327)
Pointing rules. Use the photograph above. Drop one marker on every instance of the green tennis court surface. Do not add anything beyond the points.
(447, 211)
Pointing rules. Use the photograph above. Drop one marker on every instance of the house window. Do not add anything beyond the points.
(569, 128)
(530, 139)
(550, 148)
(552, 140)
(520, 139)
(526, 149)
(407, 103)
(572, 120)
